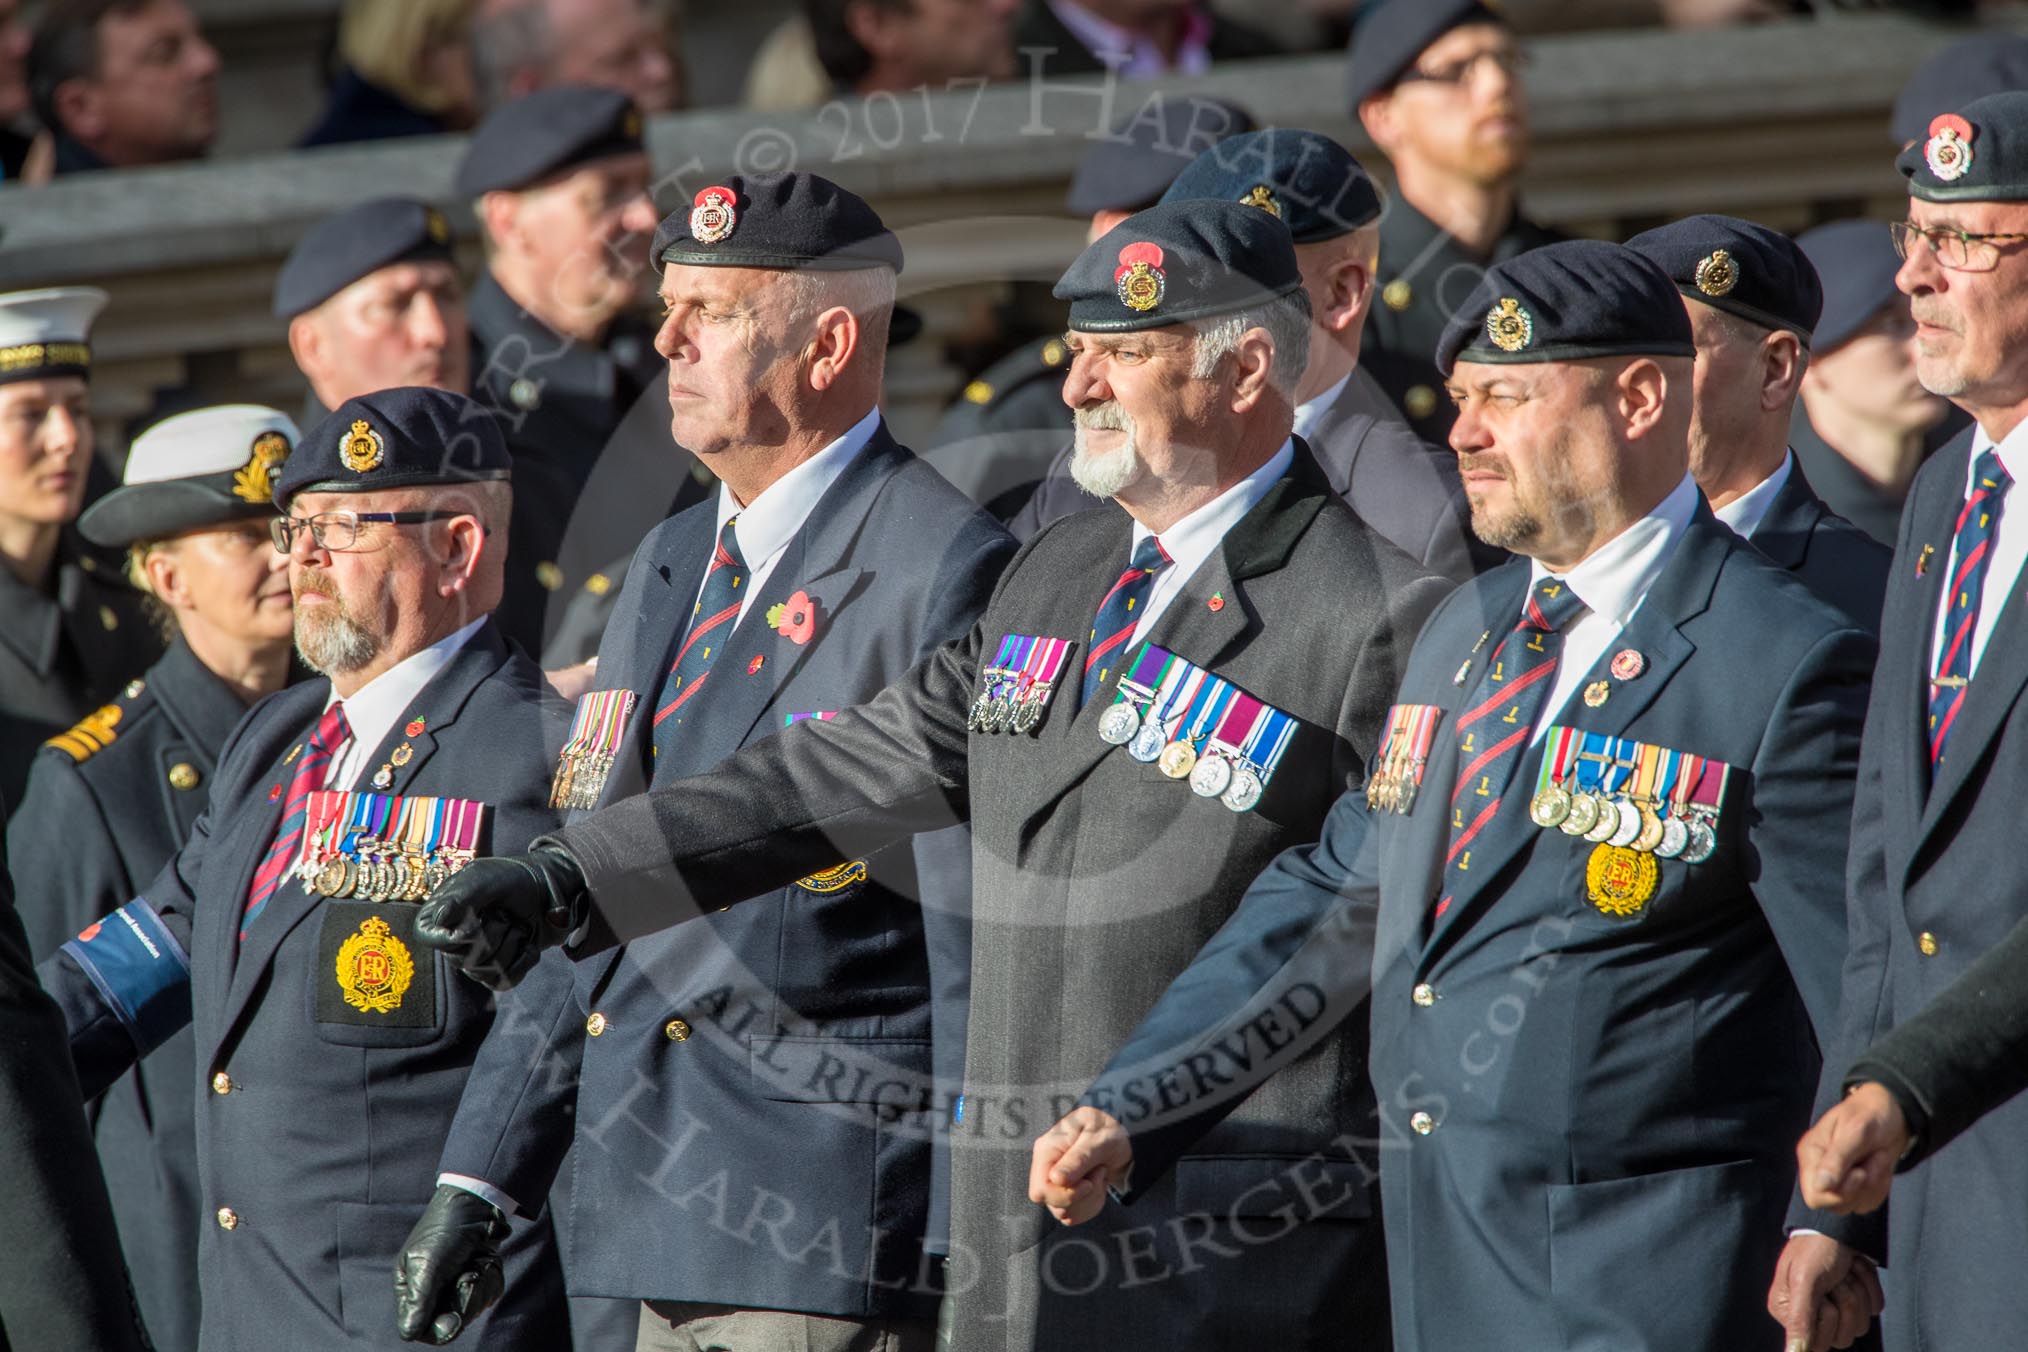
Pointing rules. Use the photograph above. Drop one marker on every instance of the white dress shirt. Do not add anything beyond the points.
(1745, 512)
(1310, 410)
(372, 711)
(771, 520)
(2010, 547)
(1197, 536)
(1613, 582)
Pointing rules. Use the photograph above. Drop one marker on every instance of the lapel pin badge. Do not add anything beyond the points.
(414, 728)
(1216, 603)
(753, 667)
(383, 777)
(1628, 664)
(1597, 693)
(1922, 560)
(401, 754)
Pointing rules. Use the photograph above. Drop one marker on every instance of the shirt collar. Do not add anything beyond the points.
(374, 707)
(771, 520)
(1745, 512)
(1192, 540)
(1137, 55)
(1614, 579)
(2013, 452)
(1310, 410)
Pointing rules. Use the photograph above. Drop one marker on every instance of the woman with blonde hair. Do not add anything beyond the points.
(405, 69)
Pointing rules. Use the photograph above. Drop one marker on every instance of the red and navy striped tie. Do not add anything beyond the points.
(331, 732)
(1494, 729)
(1120, 612)
(711, 624)
(1971, 560)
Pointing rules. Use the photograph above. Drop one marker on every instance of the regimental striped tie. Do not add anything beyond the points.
(711, 624)
(330, 734)
(1494, 729)
(1120, 612)
(1971, 560)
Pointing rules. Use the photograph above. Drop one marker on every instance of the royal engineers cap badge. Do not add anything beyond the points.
(363, 449)
(712, 216)
(1139, 277)
(1717, 273)
(1949, 148)
(1509, 326)
(374, 968)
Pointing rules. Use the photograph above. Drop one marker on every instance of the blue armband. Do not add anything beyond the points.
(140, 971)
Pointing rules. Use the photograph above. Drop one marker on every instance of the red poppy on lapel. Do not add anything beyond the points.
(795, 619)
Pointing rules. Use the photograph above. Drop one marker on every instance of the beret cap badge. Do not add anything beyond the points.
(1139, 277)
(1949, 148)
(712, 216)
(1717, 274)
(1263, 197)
(436, 226)
(255, 481)
(1508, 326)
(363, 449)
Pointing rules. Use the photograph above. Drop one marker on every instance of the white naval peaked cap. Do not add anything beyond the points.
(47, 332)
(204, 441)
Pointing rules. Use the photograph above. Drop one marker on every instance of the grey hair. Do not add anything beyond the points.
(1287, 321)
(506, 41)
(867, 292)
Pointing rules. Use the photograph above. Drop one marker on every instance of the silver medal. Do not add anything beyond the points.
(1211, 776)
(1244, 791)
(1118, 724)
(1148, 742)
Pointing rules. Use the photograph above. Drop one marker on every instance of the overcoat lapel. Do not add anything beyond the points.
(1906, 757)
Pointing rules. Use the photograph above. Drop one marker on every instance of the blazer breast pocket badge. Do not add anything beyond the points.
(373, 977)
(1637, 804)
(1398, 765)
(1194, 725)
(596, 734)
(1015, 689)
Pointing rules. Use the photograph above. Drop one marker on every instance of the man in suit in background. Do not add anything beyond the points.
(331, 1051)
(1592, 887)
(1938, 813)
(1235, 614)
(830, 562)
(1134, 39)
(1400, 486)
(1753, 299)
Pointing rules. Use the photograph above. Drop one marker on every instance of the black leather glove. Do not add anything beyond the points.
(493, 917)
(449, 1269)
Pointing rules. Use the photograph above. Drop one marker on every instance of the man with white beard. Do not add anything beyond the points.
(1157, 701)
(276, 930)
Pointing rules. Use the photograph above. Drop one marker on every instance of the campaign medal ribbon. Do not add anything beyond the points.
(1000, 713)
(1551, 804)
(1213, 772)
(1180, 684)
(1411, 756)
(1179, 757)
(1136, 692)
(1038, 681)
(1703, 810)
(1260, 754)
(1676, 829)
(592, 748)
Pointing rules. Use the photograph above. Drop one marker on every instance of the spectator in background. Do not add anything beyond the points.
(1864, 422)
(894, 45)
(405, 70)
(123, 83)
(520, 46)
(373, 301)
(13, 89)
(1138, 38)
(785, 75)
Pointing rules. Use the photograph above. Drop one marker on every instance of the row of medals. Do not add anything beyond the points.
(1606, 820)
(382, 873)
(999, 710)
(1237, 786)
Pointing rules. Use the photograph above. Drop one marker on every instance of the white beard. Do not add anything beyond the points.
(1110, 473)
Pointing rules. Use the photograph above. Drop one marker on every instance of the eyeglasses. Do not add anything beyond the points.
(1511, 61)
(1958, 250)
(339, 531)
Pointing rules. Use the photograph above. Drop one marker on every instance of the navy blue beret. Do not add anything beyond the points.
(405, 437)
(1392, 34)
(1857, 263)
(359, 240)
(1970, 68)
(787, 221)
(545, 133)
(1307, 179)
(1977, 154)
(1739, 267)
(1567, 301)
(1128, 169)
(1179, 261)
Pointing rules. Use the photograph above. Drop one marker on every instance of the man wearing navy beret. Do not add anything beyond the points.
(561, 350)
(1592, 886)
(828, 562)
(1754, 299)
(331, 1048)
(1938, 817)
(1437, 85)
(1160, 696)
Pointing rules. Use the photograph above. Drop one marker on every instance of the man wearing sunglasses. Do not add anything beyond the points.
(1937, 817)
(331, 1048)
(1437, 85)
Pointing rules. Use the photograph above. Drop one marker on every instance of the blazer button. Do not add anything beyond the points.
(1424, 994)
(228, 1219)
(595, 1025)
(677, 1030)
(221, 1083)
(1422, 1124)
(1927, 943)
